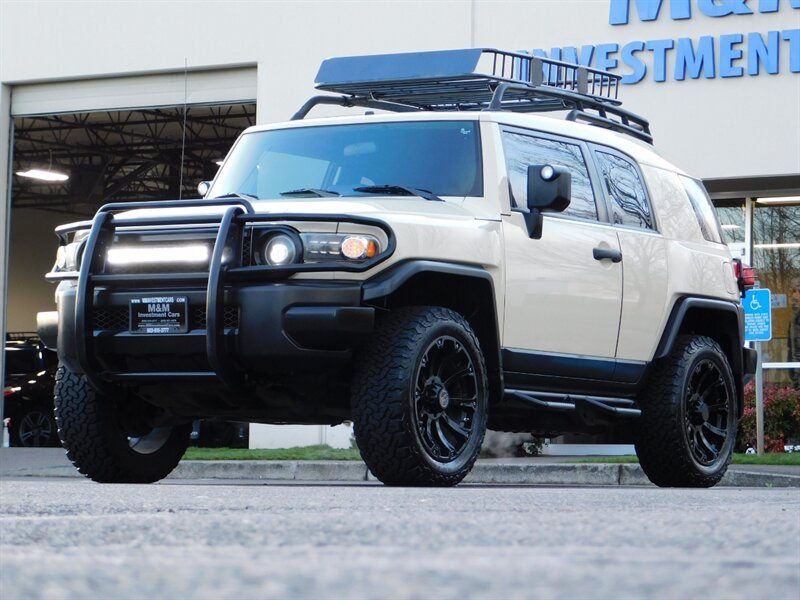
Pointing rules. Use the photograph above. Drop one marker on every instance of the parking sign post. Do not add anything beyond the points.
(759, 403)
(758, 328)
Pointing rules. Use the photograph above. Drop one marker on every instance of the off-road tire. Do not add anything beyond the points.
(387, 428)
(91, 433)
(667, 442)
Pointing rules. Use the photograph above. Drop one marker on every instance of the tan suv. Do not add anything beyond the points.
(453, 263)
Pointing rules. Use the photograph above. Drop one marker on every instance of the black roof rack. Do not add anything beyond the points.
(476, 79)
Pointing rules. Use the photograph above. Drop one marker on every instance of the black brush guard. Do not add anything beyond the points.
(238, 214)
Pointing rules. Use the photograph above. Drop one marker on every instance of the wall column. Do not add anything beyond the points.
(6, 135)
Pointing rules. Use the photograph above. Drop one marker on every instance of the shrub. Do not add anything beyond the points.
(781, 418)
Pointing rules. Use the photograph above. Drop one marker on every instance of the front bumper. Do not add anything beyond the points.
(267, 329)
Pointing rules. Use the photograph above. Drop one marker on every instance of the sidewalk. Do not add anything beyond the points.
(545, 470)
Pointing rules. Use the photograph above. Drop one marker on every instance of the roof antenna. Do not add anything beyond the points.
(183, 134)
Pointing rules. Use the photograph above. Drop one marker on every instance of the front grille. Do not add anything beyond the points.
(247, 248)
(117, 318)
(230, 317)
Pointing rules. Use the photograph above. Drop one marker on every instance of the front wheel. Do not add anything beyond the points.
(420, 398)
(100, 441)
(688, 425)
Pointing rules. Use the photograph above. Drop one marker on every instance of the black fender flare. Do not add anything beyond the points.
(393, 278)
(738, 352)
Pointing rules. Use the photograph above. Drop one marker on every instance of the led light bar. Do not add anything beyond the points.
(129, 255)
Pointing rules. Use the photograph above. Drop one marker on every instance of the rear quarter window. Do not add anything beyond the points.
(676, 217)
(629, 203)
(703, 209)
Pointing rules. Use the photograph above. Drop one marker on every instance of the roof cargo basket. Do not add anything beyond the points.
(476, 79)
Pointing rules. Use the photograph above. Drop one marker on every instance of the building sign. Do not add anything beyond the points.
(757, 315)
(732, 55)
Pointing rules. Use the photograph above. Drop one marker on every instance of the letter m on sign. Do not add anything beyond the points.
(648, 10)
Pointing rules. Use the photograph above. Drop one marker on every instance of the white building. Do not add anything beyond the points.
(101, 91)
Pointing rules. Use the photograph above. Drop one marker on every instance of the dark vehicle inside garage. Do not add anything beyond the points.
(28, 391)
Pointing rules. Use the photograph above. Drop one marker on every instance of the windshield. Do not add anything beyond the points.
(441, 157)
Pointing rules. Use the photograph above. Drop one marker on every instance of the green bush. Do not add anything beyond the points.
(781, 418)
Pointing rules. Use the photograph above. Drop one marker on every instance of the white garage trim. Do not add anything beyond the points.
(136, 91)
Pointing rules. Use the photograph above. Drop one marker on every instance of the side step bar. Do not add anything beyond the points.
(620, 407)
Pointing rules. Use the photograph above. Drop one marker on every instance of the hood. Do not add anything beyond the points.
(379, 206)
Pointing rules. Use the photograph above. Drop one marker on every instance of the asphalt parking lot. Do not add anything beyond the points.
(71, 538)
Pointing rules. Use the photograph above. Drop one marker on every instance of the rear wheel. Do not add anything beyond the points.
(688, 425)
(420, 398)
(101, 442)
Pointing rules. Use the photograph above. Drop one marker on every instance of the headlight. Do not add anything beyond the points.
(68, 256)
(336, 246)
(284, 247)
(278, 248)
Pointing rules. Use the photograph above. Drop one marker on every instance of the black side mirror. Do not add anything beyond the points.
(549, 189)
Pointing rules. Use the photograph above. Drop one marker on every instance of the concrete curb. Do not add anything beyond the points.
(271, 470)
(484, 472)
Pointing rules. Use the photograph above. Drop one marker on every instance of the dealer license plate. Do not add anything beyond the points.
(159, 314)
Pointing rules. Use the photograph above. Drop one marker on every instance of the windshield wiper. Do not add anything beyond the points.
(398, 190)
(311, 192)
(241, 195)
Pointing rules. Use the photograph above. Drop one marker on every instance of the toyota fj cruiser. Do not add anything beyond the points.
(453, 263)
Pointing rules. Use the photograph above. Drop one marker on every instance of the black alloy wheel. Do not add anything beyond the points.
(445, 398)
(35, 428)
(706, 412)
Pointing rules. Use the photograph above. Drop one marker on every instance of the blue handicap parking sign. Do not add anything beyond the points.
(757, 315)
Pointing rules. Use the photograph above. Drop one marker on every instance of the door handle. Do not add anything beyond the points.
(607, 253)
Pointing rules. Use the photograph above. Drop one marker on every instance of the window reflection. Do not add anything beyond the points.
(776, 256)
(624, 186)
(525, 150)
(731, 218)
